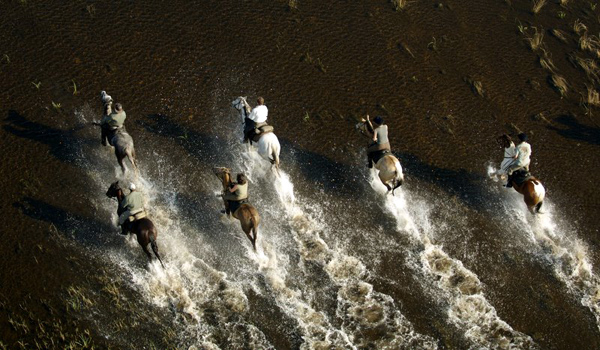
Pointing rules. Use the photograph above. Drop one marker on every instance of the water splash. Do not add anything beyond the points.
(468, 308)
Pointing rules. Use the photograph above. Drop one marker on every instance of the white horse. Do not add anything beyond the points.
(268, 144)
(390, 170)
(119, 139)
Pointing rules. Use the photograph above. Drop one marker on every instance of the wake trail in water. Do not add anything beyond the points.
(362, 314)
(557, 242)
(210, 306)
(468, 309)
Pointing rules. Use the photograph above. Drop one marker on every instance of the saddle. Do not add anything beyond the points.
(235, 205)
(256, 133)
(377, 155)
(520, 176)
(137, 216)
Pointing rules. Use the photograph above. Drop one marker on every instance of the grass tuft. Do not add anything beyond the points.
(476, 86)
(75, 92)
(91, 10)
(537, 6)
(559, 83)
(6, 58)
(589, 65)
(536, 40)
(399, 5)
(593, 97)
(590, 43)
(558, 34)
(37, 85)
(56, 105)
(546, 62)
(292, 5)
(579, 27)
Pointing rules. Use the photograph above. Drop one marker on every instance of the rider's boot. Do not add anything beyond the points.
(124, 230)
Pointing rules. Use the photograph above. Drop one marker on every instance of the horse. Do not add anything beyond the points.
(119, 138)
(390, 170)
(246, 213)
(268, 143)
(143, 228)
(532, 190)
(123, 144)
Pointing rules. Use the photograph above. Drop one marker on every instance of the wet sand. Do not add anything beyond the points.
(177, 66)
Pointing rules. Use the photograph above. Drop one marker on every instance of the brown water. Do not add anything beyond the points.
(177, 66)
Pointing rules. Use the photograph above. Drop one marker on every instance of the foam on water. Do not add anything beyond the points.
(359, 307)
(468, 309)
(188, 285)
(557, 242)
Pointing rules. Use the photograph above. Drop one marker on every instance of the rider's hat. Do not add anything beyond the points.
(378, 120)
(132, 187)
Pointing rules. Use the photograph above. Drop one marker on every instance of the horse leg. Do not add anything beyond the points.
(155, 247)
(538, 207)
(131, 156)
(120, 158)
(254, 233)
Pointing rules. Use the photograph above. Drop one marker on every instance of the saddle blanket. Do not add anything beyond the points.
(137, 216)
(521, 176)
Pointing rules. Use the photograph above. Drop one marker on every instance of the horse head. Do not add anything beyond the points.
(362, 127)
(240, 104)
(220, 172)
(113, 190)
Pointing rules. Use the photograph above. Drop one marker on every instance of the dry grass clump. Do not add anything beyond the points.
(547, 63)
(292, 4)
(537, 6)
(558, 34)
(564, 3)
(589, 65)
(476, 86)
(559, 83)
(399, 4)
(579, 27)
(590, 43)
(593, 97)
(535, 42)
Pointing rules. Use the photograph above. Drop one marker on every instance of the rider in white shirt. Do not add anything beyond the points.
(524, 155)
(258, 118)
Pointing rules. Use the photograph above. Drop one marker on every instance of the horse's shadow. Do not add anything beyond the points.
(206, 148)
(64, 144)
(576, 131)
(88, 231)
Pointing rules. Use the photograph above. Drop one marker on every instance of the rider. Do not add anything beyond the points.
(112, 121)
(381, 142)
(237, 194)
(523, 157)
(510, 154)
(133, 203)
(256, 119)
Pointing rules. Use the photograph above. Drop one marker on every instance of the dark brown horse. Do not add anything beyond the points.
(143, 228)
(533, 193)
(246, 213)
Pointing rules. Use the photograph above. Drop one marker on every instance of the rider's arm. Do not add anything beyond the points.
(233, 189)
(375, 135)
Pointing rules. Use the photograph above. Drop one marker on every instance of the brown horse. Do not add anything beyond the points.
(246, 213)
(143, 228)
(533, 193)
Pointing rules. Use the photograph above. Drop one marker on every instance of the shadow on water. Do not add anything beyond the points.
(470, 188)
(89, 231)
(202, 146)
(64, 144)
(577, 131)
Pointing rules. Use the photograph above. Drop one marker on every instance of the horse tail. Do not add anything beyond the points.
(275, 160)
(155, 247)
(254, 227)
